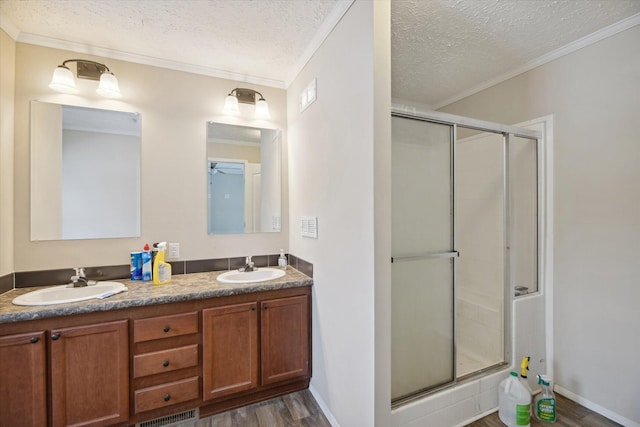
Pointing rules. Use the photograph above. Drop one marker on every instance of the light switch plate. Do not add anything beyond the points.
(174, 251)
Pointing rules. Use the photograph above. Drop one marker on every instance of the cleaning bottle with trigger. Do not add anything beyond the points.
(524, 367)
(545, 403)
(161, 269)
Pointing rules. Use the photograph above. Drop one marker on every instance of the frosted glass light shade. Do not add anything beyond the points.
(231, 105)
(108, 86)
(262, 109)
(63, 80)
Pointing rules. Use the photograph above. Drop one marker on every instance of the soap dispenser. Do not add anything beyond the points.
(282, 261)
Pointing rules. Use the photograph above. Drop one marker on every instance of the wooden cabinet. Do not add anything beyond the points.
(165, 363)
(284, 339)
(23, 381)
(236, 358)
(90, 374)
(230, 349)
(129, 366)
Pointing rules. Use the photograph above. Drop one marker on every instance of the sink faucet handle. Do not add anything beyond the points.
(79, 271)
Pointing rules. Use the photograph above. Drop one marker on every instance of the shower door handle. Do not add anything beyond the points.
(416, 257)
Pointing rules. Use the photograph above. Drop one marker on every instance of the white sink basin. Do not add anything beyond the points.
(64, 294)
(257, 275)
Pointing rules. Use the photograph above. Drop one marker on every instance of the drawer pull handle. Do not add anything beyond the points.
(55, 337)
(34, 340)
(165, 363)
(167, 397)
(166, 328)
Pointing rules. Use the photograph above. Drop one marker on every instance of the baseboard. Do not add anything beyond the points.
(323, 406)
(595, 407)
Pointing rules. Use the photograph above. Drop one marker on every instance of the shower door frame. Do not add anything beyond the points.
(507, 132)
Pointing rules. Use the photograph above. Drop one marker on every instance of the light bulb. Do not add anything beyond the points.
(108, 86)
(63, 80)
(231, 105)
(262, 108)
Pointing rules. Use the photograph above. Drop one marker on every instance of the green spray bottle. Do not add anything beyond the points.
(545, 402)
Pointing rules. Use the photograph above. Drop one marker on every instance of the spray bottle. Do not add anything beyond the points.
(545, 403)
(524, 367)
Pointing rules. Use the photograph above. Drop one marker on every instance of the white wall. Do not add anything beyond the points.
(594, 94)
(331, 169)
(7, 88)
(175, 107)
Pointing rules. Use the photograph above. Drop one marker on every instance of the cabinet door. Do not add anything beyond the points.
(23, 384)
(229, 349)
(285, 339)
(90, 375)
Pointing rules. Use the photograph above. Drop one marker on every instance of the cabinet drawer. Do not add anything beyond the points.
(166, 394)
(165, 361)
(165, 326)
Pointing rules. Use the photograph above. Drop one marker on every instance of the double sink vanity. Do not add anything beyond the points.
(191, 348)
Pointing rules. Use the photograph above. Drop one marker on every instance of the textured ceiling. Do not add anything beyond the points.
(440, 49)
(246, 37)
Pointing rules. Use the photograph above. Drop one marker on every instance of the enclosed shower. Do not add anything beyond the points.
(464, 238)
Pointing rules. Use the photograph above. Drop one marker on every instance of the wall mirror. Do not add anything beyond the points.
(244, 179)
(85, 173)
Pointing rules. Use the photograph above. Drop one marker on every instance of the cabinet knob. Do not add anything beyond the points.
(167, 397)
(34, 340)
(265, 306)
(166, 328)
(55, 336)
(253, 308)
(165, 363)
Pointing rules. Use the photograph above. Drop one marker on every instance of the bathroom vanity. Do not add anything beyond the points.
(193, 346)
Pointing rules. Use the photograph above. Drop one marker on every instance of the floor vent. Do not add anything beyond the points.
(172, 420)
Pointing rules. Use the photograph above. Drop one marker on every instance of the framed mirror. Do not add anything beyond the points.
(244, 179)
(85, 172)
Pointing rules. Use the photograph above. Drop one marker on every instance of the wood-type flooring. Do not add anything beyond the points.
(301, 410)
(568, 414)
(297, 409)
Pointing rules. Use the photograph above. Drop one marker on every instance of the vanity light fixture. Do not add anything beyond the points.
(64, 81)
(246, 96)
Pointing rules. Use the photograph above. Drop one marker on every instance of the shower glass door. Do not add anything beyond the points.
(422, 348)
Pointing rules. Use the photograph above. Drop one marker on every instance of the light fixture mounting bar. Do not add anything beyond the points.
(86, 69)
(246, 96)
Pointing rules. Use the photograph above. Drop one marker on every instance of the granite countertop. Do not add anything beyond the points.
(183, 287)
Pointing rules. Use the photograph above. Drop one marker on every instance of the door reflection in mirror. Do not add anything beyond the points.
(244, 179)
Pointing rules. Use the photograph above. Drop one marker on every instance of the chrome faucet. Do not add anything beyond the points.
(248, 265)
(79, 280)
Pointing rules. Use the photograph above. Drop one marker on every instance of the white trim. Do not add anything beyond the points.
(585, 41)
(547, 233)
(146, 60)
(325, 409)
(336, 14)
(595, 407)
(330, 22)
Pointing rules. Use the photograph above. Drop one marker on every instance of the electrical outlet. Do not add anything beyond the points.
(174, 250)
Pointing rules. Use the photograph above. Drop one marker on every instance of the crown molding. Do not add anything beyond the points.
(585, 41)
(341, 7)
(145, 60)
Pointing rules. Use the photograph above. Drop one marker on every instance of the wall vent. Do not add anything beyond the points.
(173, 419)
